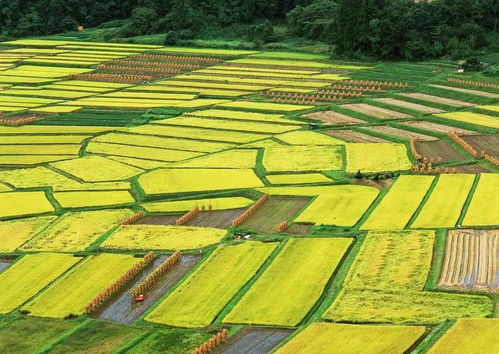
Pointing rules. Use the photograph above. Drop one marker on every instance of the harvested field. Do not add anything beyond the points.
(472, 168)
(298, 229)
(354, 136)
(273, 212)
(437, 99)
(400, 133)
(250, 340)
(5, 263)
(123, 309)
(220, 219)
(18, 119)
(438, 151)
(439, 128)
(471, 260)
(333, 118)
(158, 220)
(410, 105)
(375, 111)
(487, 143)
(473, 92)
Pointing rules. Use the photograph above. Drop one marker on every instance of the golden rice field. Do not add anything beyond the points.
(320, 337)
(200, 297)
(301, 270)
(70, 294)
(178, 180)
(469, 335)
(302, 158)
(76, 231)
(187, 205)
(30, 275)
(314, 237)
(161, 237)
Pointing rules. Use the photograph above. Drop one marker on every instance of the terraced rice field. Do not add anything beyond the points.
(471, 260)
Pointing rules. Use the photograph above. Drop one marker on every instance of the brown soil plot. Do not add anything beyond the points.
(473, 92)
(123, 309)
(158, 220)
(355, 137)
(253, 341)
(473, 168)
(438, 151)
(437, 99)
(471, 260)
(333, 118)
(400, 133)
(5, 263)
(374, 111)
(487, 143)
(410, 105)
(220, 219)
(298, 229)
(439, 128)
(273, 212)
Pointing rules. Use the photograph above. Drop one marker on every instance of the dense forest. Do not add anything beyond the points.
(381, 29)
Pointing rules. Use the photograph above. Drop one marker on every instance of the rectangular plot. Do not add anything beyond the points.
(24, 203)
(487, 143)
(42, 139)
(198, 300)
(149, 153)
(242, 115)
(334, 118)
(400, 133)
(225, 124)
(123, 309)
(410, 105)
(196, 133)
(29, 275)
(70, 294)
(14, 233)
(301, 271)
(273, 212)
(469, 91)
(355, 136)
(439, 128)
(436, 99)
(25, 160)
(302, 158)
(42, 332)
(401, 202)
(217, 218)
(252, 340)
(40, 149)
(472, 118)
(379, 157)
(158, 142)
(76, 231)
(338, 209)
(85, 199)
(375, 111)
(446, 202)
(484, 206)
(265, 106)
(471, 260)
(438, 151)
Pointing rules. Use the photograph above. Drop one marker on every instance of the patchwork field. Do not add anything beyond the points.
(159, 199)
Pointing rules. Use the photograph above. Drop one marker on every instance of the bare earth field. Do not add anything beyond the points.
(273, 212)
(354, 136)
(473, 168)
(400, 133)
(439, 128)
(471, 260)
(437, 99)
(487, 143)
(410, 105)
(375, 111)
(438, 151)
(123, 309)
(220, 219)
(253, 341)
(5, 263)
(473, 92)
(333, 118)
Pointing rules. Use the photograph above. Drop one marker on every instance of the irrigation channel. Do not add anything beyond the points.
(251, 340)
(121, 308)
